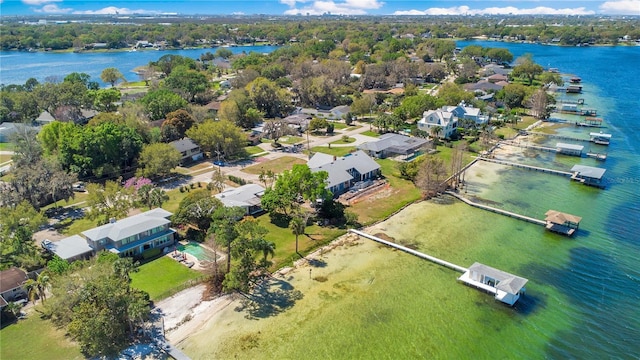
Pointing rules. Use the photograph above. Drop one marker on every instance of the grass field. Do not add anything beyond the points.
(386, 202)
(336, 151)
(285, 241)
(290, 140)
(35, 339)
(343, 141)
(6, 146)
(276, 165)
(253, 150)
(163, 277)
(370, 133)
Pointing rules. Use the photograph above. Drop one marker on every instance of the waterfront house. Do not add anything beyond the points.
(569, 149)
(246, 196)
(12, 285)
(562, 223)
(506, 287)
(462, 111)
(440, 119)
(189, 150)
(352, 171)
(393, 144)
(588, 175)
(132, 236)
(496, 78)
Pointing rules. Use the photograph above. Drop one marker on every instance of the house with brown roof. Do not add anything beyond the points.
(12, 285)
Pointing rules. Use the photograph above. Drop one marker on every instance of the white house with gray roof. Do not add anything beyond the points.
(127, 237)
(391, 144)
(446, 121)
(189, 150)
(246, 196)
(345, 172)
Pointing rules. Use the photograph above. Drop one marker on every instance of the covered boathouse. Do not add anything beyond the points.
(505, 287)
(600, 138)
(562, 223)
(569, 149)
(588, 175)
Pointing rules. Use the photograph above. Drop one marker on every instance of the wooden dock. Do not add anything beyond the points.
(411, 251)
(528, 146)
(496, 210)
(528, 167)
(553, 136)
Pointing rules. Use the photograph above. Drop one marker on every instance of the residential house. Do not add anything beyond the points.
(462, 111)
(496, 78)
(483, 85)
(45, 118)
(246, 196)
(352, 171)
(445, 121)
(131, 236)
(393, 144)
(11, 285)
(189, 150)
(338, 112)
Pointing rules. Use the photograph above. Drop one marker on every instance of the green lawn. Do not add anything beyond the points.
(276, 165)
(285, 241)
(163, 277)
(342, 141)
(399, 193)
(336, 151)
(290, 140)
(371, 133)
(6, 146)
(507, 132)
(175, 196)
(253, 150)
(34, 338)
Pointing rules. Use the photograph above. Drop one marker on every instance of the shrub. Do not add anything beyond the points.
(237, 180)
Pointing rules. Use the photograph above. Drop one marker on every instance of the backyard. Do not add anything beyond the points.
(35, 338)
(276, 165)
(174, 275)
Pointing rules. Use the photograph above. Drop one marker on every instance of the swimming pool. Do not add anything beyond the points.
(196, 250)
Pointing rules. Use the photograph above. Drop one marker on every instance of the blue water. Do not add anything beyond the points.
(16, 67)
(602, 277)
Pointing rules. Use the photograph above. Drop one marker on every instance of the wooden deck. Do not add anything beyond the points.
(411, 251)
(496, 210)
(528, 167)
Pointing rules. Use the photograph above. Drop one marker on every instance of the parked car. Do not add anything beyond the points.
(79, 186)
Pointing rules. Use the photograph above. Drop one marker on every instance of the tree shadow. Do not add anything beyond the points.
(317, 263)
(269, 299)
(280, 220)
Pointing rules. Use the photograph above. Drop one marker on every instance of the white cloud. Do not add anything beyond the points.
(112, 10)
(52, 9)
(38, 2)
(622, 7)
(465, 10)
(346, 7)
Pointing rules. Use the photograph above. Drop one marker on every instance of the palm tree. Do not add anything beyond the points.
(267, 248)
(436, 131)
(37, 287)
(297, 226)
(13, 308)
(157, 196)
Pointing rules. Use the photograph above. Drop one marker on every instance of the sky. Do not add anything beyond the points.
(319, 7)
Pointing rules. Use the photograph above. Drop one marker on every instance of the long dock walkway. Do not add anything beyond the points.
(411, 251)
(528, 167)
(529, 146)
(497, 211)
(554, 136)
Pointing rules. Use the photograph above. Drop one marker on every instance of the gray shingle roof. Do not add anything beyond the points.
(132, 225)
(245, 195)
(183, 144)
(70, 247)
(339, 169)
(396, 143)
(506, 282)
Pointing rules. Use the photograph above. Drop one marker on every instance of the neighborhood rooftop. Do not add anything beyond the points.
(395, 143)
(130, 226)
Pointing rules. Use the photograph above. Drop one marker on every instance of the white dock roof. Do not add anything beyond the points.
(569, 146)
(600, 135)
(588, 171)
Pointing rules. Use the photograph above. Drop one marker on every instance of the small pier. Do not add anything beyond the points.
(591, 122)
(504, 287)
(411, 251)
(528, 167)
(552, 136)
(496, 210)
(597, 156)
(529, 146)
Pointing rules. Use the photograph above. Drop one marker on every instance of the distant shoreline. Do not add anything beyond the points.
(102, 51)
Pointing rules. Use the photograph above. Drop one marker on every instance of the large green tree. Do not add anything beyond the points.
(111, 75)
(292, 185)
(111, 201)
(196, 210)
(189, 83)
(157, 160)
(269, 98)
(158, 103)
(527, 68)
(219, 136)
